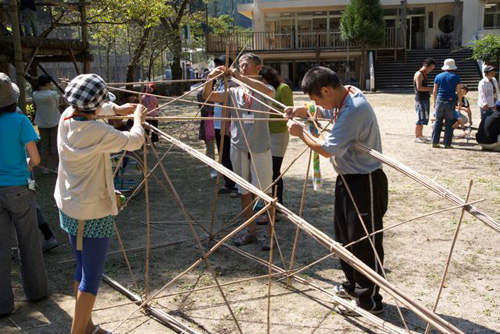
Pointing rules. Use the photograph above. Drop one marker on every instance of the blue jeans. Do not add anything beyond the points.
(17, 209)
(444, 112)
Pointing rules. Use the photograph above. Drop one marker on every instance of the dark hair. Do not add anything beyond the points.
(319, 77)
(9, 108)
(429, 62)
(252, 57)
(464, 86)
(221, 60)
(270, 75)
(44, 79)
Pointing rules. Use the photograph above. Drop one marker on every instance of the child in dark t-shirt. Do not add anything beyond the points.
(463, 115)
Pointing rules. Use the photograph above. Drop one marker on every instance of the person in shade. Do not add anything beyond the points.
(84, 191)
(17, 200)
(278, 130)
(354, 122)
(46, 101)
(488, 135)
(219, 127)
(151, 102)
(445, 93)
(422, 98)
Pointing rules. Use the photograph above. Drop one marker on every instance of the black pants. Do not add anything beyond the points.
(370, 194)
(278, 188)
(226, 157)
(154, 136)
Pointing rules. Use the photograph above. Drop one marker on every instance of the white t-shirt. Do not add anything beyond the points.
(47, 108)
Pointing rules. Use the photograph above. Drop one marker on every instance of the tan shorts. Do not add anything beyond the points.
(261, 176)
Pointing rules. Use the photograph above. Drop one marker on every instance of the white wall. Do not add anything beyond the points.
(473, 20)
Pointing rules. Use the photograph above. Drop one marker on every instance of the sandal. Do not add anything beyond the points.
(244, 239)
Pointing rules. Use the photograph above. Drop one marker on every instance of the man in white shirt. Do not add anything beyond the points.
(46, 101)
(487, 90)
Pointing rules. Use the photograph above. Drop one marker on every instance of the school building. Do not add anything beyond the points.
(294, 35)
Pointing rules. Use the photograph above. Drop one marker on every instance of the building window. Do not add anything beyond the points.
(492, 15)
(445, 24)
(430, 20)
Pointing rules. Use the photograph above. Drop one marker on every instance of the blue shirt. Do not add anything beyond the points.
(15, 132)
(447, 83)
(356, 122)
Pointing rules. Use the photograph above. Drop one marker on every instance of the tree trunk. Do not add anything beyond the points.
(139, 50)
(150, 66)
(108, 70)
(457, 25)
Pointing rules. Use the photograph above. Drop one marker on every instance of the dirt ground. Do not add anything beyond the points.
(415, 253)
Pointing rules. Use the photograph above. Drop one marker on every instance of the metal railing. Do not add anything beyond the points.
(295, 40)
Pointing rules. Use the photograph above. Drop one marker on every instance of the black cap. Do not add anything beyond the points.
(489, 68)
(221, 60)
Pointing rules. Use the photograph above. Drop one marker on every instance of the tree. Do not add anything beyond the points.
(362, 22)
(487, 49)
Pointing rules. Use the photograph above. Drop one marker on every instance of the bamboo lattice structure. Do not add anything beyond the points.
(302, 226)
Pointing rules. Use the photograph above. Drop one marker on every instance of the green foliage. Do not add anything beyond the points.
(487, 48)
(362, 21)
(30, 111)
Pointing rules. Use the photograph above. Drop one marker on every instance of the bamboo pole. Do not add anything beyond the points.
(163, 317)
(148, 226)
(324, 240)
(193, 118)
(302, 200)
(429, 184)
(243, 280)
(448, 260)
(383, 230)
(198, 241)
(380, 323)
(138, 249)
(196, 263)
(189, 101)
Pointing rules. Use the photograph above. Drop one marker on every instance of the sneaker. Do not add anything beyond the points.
(436, 146)
(421, 140)
(341, 292)
(349, 311)
(213, 174)
(50, 244)
(234, 193)
(224, 190)
(266, 244)
(244, 239)
(448, 146)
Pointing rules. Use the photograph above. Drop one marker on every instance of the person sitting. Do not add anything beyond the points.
(17, 200)
(463, 114)
(488, 135)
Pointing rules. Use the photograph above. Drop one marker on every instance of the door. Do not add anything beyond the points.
(415, 32)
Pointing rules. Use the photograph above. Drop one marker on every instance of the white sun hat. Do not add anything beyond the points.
(449, 65)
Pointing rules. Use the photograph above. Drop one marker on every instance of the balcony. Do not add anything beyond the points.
(295, 41)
